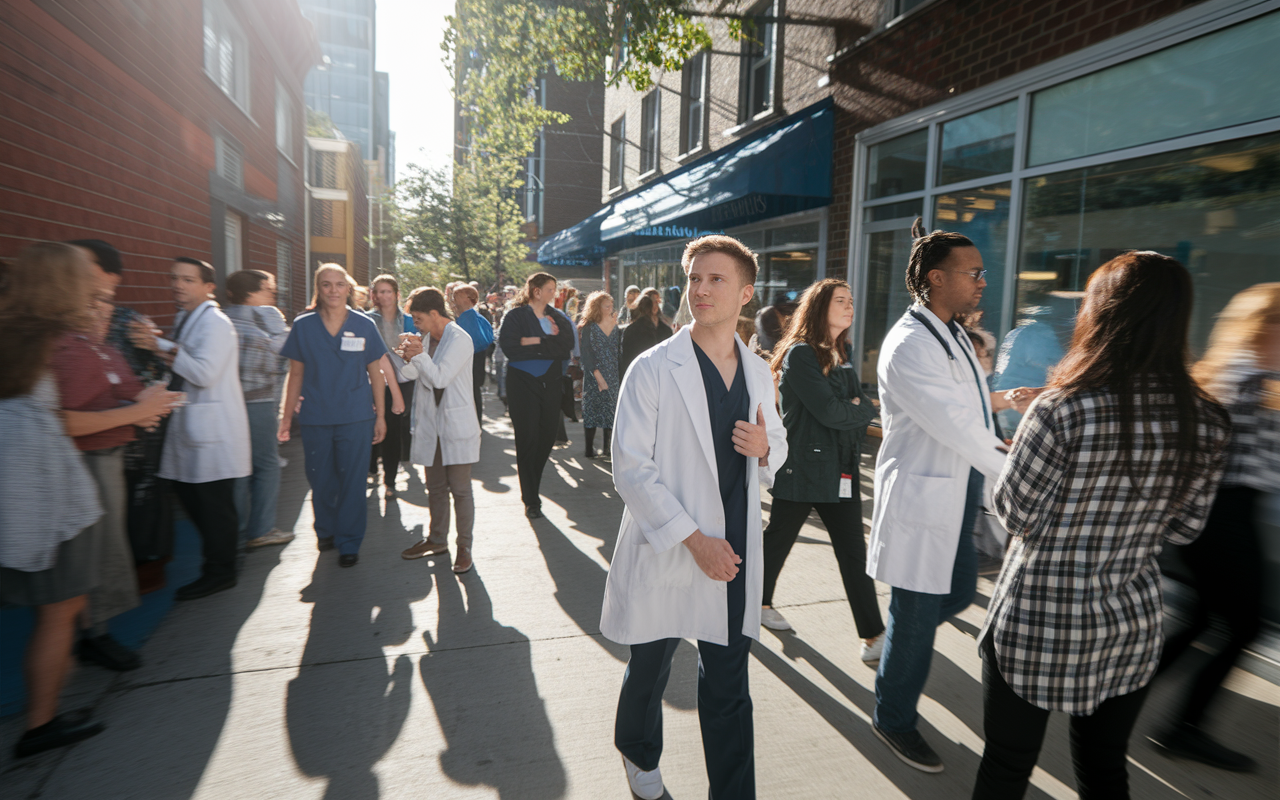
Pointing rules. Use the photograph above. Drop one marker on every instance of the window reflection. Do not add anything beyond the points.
(979, 144)
(983, 216)
(897, 166)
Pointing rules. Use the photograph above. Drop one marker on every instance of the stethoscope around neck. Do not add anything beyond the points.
(956, 373)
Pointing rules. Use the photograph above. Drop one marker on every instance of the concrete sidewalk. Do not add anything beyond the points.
(398, 679)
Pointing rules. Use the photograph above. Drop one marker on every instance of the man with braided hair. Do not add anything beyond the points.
(939, 443)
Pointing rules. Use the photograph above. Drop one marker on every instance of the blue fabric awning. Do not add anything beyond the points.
(781, 169)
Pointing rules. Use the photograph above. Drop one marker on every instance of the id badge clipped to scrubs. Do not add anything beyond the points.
(352, 343)
(846, 486)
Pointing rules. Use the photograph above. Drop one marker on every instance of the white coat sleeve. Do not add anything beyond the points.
(928, 394)
(439, 372)
(207, 353)
(777, 440)
(660, 516)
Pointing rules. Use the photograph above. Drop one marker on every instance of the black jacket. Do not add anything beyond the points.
(520, 322)
(639, 336)
(821, 421)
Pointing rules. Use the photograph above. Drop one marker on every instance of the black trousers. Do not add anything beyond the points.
(394, 447)
(477, 382)
(844, 526)
(535, 409)
(212, 509)
(1014, 731)
(724, 710)
(1226, 563)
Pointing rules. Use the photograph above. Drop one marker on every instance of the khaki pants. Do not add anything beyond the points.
(117, 589)
(442, 481)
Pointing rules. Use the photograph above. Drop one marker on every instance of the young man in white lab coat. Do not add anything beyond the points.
(207, 444)
(939, 444)
(688, 563)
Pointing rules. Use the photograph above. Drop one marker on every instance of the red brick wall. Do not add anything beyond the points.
(106, 123)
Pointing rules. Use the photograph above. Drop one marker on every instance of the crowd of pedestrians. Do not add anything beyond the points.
(1113, 462)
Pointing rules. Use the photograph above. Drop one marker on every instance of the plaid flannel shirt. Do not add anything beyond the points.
(1076, 612)
(1250, 396)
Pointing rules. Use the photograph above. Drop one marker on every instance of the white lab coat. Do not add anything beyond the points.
(666, 474)
(208, 439)
(932, 414)
(454, 421)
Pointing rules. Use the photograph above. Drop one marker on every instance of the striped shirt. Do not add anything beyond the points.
(1076, 612)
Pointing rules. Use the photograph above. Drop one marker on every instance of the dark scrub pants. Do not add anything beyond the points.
(534, 403)
(724, 699)
(337, 420)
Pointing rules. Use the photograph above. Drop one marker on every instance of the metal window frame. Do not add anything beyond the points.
(651, 133)
(1172, 30)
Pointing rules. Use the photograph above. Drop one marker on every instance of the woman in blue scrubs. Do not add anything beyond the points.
(333, 357)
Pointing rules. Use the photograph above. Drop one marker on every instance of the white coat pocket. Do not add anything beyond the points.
(672, 567)
(201, 423)
(917, 498)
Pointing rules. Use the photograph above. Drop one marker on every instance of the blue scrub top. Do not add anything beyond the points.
(335, 381)
(477, 327)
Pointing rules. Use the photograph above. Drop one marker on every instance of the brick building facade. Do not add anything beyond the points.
(166, 128)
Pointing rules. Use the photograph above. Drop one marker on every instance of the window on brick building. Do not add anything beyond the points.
(226, 52)
(228, 160)
(759, 62)
(284, 121)
(284, 265)
(896, 8)
(233, 231)
(617, 152)
(692, 102)
(650, 126)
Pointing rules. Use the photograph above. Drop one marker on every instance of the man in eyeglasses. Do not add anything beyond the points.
(939, 444)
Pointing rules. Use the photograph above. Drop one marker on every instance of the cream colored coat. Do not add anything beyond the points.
(454, 421)
(666, 474)
(932, 413)
(208, 439)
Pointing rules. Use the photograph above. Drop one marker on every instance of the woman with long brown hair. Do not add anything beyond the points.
(1242, 371)
(392, 322)
(48, 557)
(536, 338)
(1121, 454)
(645, 330)
(601, 348)
(826, 414)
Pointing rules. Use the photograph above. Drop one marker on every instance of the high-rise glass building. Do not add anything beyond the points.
(344, 86)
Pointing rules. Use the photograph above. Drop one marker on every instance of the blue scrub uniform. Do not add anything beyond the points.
(337, 420)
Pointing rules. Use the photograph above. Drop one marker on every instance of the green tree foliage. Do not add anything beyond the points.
(452, 224)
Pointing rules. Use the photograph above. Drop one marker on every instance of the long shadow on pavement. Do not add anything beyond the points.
(486, 697)
(345, 709)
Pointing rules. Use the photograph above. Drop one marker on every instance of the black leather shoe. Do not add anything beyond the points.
(61, 731)
(203, 587)
(533, 512)
(911, 748)
(324, 543)
(107, 652)
(1188, 741)
(348, 560)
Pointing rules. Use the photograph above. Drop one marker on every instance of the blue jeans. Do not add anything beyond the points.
(914, 618)
(337, 459)
(256, 494)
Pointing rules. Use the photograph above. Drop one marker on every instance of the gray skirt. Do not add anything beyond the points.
(73, 574)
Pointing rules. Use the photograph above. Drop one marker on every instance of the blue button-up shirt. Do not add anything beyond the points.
(477, 327)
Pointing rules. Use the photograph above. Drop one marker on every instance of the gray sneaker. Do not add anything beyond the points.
(911, 748)
(273, 536)
(771, 619)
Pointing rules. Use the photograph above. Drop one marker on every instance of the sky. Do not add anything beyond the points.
(409, 34)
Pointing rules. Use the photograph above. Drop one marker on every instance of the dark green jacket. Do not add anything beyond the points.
(821, 421)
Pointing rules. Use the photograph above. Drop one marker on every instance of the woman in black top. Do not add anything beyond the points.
(826, 415)
(646, 330)
(536, 338)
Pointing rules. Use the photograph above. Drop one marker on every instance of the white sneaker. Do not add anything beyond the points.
(771, 619)
(645, 785)
(871, 652)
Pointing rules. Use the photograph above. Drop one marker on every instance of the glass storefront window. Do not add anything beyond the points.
(1221, 79)
(897, 166)
(907, 208)
(887, 297)
(978, 145)
(983, 216)
(785, 275)
(1214, 208)
(805, 233)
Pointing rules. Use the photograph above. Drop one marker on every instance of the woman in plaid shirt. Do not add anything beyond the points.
(1122, 452)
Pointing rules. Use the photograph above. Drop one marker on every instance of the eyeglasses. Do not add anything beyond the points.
(977, 275)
